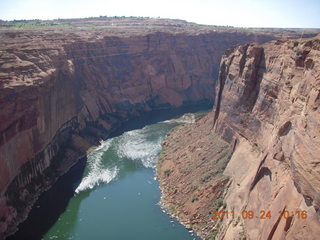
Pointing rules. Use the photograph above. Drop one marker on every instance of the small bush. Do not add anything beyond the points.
(194, 199)
(218, 203)
(167, 172)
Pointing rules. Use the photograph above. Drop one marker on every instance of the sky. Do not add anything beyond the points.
(238, 13)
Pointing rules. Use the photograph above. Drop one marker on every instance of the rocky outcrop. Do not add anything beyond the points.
(267, 108)
(63, 89)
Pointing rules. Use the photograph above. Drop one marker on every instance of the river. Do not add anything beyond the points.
(116, 198)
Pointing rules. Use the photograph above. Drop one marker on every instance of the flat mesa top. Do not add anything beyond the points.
(31, 49)
(20, 33)
(53, 34)
(123, 26)
(119, 26)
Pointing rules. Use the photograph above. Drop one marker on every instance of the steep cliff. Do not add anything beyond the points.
(267, 107)
(61, 90)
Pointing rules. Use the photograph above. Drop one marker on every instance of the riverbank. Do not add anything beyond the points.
(190, 170)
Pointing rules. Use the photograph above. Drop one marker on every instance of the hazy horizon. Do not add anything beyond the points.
(246, 13)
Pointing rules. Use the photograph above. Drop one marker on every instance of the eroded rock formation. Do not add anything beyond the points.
(267, 109)
(61, 90)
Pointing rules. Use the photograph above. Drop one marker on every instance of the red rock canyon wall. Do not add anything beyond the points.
(61, 92)
(267, 107)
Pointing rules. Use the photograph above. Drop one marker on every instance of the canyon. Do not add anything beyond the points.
(262, 139)
(63, 88)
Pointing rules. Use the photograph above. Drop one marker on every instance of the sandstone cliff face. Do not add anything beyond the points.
(267, 107)
(60, 92)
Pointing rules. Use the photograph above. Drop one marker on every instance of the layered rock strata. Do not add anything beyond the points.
(61, 90)
(267, 109)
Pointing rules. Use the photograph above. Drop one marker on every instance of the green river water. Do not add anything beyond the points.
(118, 196)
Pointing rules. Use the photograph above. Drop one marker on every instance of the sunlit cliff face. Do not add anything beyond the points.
(268, 108)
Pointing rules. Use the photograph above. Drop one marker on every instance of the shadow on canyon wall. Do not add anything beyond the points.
(50, 205)
(54, 202)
